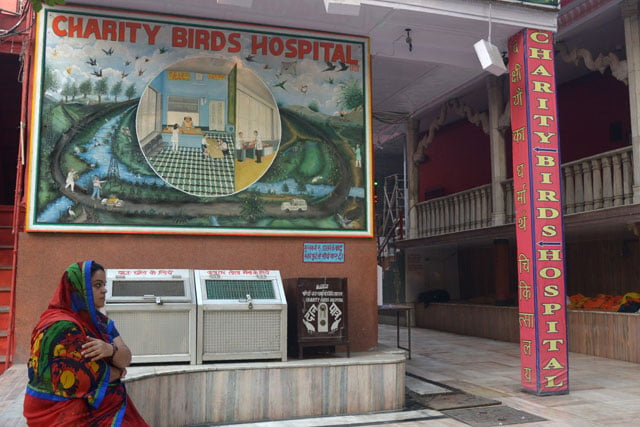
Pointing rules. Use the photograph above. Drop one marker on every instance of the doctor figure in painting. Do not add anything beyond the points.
(175, 137)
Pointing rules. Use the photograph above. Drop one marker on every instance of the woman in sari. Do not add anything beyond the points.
(78, 358)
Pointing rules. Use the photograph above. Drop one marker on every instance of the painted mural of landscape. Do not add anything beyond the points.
(107, 111)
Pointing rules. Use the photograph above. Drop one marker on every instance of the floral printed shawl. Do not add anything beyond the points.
(57, 370)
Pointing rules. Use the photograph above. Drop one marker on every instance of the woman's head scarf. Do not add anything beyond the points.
(74, 297)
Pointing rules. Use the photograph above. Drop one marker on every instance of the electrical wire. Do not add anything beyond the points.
(12, 32)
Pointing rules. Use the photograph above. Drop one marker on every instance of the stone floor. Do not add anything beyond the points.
(446, 370)
(471, 381)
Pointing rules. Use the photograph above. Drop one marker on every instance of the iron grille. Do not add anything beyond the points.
(239, 289)
(140, 288)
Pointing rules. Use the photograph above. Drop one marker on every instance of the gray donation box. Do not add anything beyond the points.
(317, 312)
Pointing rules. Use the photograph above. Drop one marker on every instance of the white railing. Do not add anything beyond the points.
(596, 182)
(462, 211)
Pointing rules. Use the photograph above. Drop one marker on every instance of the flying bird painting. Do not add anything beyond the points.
(330, 66)
(280, 85)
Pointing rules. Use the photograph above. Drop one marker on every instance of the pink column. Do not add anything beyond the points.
(538, 212)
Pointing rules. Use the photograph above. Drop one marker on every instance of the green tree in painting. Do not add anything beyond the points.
(74, 91)
(101, 88)
(51, 82)
(251, 208)
(66, 91)
(116, 90)
(130, 92)
(85, 88)
(351, 94)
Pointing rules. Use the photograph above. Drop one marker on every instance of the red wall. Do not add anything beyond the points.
(458, 159)
(43, 257)
(587, 107)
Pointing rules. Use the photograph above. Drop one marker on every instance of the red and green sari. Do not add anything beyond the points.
(65, 388)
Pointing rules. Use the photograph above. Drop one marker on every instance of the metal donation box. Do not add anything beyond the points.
(242, 314)
(317, 312)
(155, 313)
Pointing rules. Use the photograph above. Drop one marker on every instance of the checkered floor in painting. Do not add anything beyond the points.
(190, 171)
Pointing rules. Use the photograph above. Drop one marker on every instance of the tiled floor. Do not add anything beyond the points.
(603, 392)
(195, 173)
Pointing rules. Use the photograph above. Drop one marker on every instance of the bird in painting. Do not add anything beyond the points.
(280, 85)
(330, 66)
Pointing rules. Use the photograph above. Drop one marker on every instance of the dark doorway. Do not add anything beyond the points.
(10, 88)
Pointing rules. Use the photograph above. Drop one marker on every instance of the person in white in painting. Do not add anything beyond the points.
(175, 137)
(71, 179)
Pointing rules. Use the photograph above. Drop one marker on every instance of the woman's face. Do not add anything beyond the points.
(98, 284)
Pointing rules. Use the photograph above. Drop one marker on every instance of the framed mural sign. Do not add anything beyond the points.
(157, 124)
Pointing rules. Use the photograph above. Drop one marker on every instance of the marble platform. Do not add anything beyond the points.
(226, 393)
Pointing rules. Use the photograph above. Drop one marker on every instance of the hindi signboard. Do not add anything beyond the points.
(537, 183)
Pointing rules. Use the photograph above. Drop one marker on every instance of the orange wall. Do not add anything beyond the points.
(43, 257)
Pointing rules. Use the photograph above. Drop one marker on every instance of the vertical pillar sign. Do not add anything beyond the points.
(538, 210)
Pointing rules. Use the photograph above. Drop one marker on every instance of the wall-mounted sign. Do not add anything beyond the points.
(163, 124)
(323, 252)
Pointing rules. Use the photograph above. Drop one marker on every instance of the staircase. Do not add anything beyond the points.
(6, 277)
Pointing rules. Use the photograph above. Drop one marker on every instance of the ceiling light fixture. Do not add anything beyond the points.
(408, 39)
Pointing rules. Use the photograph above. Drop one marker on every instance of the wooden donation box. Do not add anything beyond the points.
(317, 312)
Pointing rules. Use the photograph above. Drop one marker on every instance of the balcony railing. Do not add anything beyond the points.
(596, 182)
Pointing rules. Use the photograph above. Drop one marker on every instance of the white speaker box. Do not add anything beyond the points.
(490, 57)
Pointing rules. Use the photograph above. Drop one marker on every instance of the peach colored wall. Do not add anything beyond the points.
(42, 258)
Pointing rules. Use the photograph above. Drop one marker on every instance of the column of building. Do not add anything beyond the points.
(632, 41)
(413, 178)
